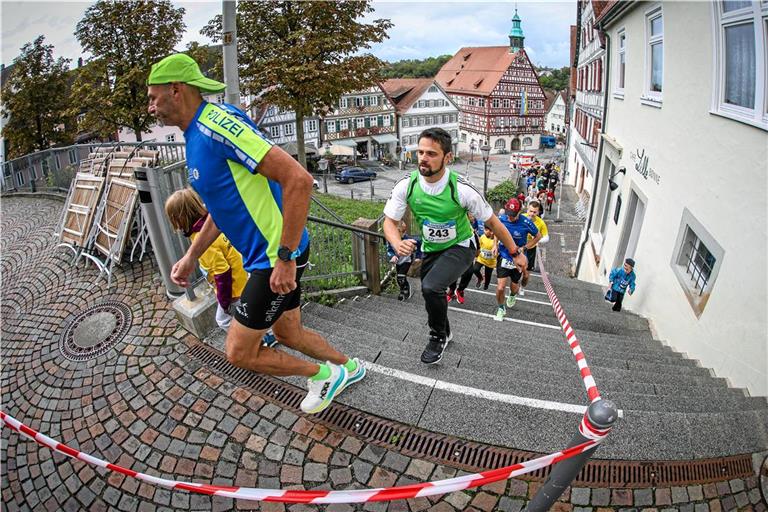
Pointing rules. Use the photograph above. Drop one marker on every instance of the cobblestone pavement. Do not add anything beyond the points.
(146, 405)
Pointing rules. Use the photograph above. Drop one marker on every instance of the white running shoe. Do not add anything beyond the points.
(356, 375)
(320, 393)
(501, 312)
(521, 293)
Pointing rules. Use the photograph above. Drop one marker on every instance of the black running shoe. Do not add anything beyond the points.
(433, 353)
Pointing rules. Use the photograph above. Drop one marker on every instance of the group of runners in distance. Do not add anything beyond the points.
(251, 200)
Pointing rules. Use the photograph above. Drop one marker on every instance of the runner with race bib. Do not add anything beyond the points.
(519, 227)
(439, 200)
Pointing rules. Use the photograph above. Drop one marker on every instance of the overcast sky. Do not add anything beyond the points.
(421, 28)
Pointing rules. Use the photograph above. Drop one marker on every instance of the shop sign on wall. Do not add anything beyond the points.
(640, 160)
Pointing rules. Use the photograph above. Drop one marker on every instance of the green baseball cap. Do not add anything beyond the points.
(180, 67)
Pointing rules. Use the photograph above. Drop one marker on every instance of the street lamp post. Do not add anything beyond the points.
(485, 150)
(323, 164)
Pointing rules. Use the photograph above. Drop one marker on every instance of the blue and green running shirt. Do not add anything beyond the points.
(224, 148)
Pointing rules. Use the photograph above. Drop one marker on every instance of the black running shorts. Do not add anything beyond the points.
(259, 306)
(502, 271)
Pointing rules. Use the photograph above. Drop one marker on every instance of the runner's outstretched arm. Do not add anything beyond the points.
(183, 268)
(296, 182)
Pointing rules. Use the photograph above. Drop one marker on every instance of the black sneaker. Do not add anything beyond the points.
(433, 353)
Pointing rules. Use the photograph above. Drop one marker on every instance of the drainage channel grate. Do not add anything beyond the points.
(469, 455)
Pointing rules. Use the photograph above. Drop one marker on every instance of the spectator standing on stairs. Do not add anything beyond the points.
(440, 200)
(403, 263)
(258, 196)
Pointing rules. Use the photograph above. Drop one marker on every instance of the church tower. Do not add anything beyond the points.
(516, 36)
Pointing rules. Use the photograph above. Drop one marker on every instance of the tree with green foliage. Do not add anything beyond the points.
(303, 56)
(209, 58)
(415, 68)
(125, 39)
(35, 100)
(558, 80)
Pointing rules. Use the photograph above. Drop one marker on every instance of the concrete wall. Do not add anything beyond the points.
(711, 172)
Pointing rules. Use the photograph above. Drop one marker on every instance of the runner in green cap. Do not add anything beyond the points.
(258, 196)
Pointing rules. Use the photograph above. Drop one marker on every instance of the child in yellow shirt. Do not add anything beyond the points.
(221, 262)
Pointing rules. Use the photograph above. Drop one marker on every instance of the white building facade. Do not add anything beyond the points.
(280, 126)
(555, 120)
(586, 121)
(686, 144)
(420, 104)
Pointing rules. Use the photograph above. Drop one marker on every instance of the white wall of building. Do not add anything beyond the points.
(555, 120)
(690, 168)
(433, 109)
(156, 133)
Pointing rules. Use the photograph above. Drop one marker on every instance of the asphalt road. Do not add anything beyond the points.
(381, 187)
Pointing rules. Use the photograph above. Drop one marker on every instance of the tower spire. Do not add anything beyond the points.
(516, 36)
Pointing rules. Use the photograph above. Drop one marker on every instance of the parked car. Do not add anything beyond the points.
(353, 174)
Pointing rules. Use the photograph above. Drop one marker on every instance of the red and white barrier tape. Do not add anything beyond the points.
(573, 341)
(319, 497)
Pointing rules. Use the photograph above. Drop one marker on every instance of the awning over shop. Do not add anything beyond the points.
(292, 149)
(345, 142)
(341, 150)
(385, 138)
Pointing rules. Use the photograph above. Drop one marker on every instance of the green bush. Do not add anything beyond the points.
(501, 193)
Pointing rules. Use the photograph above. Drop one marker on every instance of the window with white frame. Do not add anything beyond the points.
(621, 64)
(500, 144)
(288, 129)
(472, 101)
(505, 103)
(171, 137)
(311, 125)
(374, 100)
(406, 122)
(463, 137)
(344, 124)
(740, 89)
(72, 153)
(386, 121)
(373, 121)
(481, 102)
(654, 55)
(344, 102)
(274, 131)
(527, 141)
(359, 122)
(495, 103)
(359, 102)
(432, 88)
(696, 261)
(330, 126)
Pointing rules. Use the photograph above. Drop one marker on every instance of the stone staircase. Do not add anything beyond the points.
(515, 383)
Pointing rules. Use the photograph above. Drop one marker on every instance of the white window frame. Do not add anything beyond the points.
(373, 121)
(621, 51)
(343, 124)
(652, 98)
(311, 125)
(289, 129)
(386, 120)
(330, 126)
(344, 102)
(374, 101)
(359, 123)
(696, 299)
(757, 13)
(171, 137)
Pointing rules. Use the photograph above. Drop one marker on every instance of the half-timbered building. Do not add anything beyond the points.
(498, 94)
(364, 121)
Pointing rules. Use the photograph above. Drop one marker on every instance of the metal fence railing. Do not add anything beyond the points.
(52, 170)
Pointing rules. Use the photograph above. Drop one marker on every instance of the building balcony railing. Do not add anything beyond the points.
(355, 111)
(359, 132)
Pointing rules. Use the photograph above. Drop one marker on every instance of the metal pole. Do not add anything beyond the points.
(229, 41)
(601, 415)
(485, 178)
(371, 182)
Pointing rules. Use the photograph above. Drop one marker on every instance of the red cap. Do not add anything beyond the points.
(521, 197)
(513, 206)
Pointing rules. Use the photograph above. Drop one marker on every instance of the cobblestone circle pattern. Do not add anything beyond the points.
(146, 405)
(74, 351)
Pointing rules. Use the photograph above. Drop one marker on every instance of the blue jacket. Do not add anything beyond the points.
(415, 255)
(620, 280)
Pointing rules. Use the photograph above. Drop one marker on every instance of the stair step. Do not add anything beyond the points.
(518, 379)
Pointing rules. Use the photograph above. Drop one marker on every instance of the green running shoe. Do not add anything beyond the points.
(501, 311)
(511, 300)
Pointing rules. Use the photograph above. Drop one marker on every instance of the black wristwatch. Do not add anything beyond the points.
(285, 254)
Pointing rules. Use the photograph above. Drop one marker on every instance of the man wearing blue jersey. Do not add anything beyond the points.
(258, 196)
(519, 228)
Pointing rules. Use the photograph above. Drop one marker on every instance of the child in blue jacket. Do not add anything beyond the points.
(621, 279)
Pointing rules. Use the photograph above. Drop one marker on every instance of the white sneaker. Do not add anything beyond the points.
(521, 292)
(320, 393)
(500, 313)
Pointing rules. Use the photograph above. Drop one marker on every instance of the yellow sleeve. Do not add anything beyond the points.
(214, 260)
